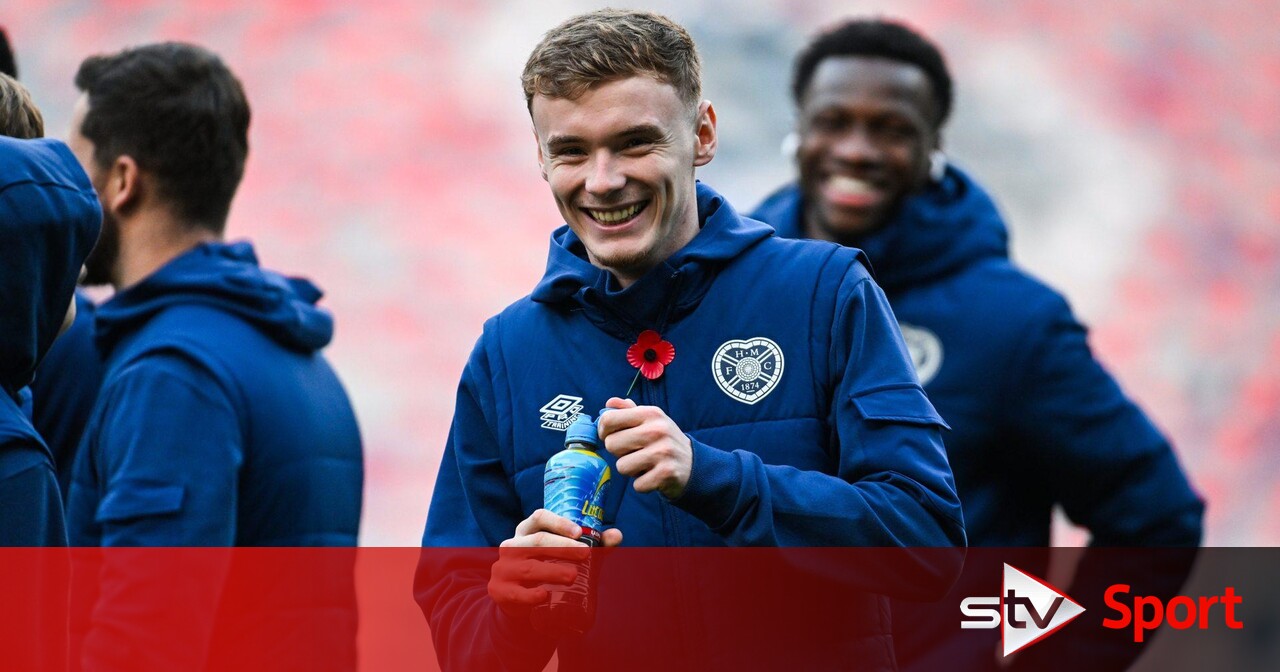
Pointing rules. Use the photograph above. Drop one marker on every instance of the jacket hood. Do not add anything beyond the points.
(669, 289)
(952, 224)
(49, 222)
(225, 276)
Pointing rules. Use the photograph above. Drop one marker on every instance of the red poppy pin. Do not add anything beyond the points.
(651, 354)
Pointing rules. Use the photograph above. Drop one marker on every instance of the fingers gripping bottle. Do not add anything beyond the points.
(574, 485)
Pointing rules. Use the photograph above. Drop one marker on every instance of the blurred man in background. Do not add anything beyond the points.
(219, 422)
(1036, 421)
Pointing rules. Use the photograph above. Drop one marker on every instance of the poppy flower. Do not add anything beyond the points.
(651, 354)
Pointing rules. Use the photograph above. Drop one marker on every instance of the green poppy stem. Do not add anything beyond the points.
(632, 385)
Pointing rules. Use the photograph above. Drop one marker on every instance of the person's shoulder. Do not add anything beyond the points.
(165, 366)
(1000, 295)
(21, 455)
(208, 332)
(16, 430)
(168, 372)
(516, 314)
(807, 255)
(521, 322)
(21, 447)
(183, 331)
(191, 320)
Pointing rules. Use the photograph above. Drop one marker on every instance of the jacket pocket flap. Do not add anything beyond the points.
(907, 405)
(136, 500)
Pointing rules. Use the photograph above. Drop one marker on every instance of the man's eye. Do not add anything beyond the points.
(825, 123)
(635, 143)
(900, 131)
(569, 152)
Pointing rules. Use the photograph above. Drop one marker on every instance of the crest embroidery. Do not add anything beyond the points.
(748, 370)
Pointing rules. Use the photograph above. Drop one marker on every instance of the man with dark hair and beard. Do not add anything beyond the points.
(1036, 420)
(219, 421)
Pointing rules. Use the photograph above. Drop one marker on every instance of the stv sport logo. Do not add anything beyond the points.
(1029, 610)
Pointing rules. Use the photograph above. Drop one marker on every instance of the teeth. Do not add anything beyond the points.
(614, 216)
(849, 185)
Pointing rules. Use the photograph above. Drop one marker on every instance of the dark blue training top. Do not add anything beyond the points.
(64, 389)
(49, 221)
(807, 425)
(219, 422)
(1036, 421)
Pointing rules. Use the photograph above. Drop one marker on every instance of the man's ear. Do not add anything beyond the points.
(69, 317)
(937, 159)
(542, 161)
(705, 134)
(124, 188)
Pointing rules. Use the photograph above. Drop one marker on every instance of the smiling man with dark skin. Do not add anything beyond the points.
(867, 130)
(1036, 421)
(727, 446)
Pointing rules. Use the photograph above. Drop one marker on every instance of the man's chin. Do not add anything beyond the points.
(844, 227)
(100, 263)
(95, 274)
(630, 262)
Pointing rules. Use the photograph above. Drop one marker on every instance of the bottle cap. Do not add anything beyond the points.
(583, 430)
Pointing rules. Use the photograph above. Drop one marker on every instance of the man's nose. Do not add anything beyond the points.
(605, 175)
(856, 146)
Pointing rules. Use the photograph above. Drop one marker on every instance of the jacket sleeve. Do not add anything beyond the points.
(167, 460)
(65, 389)
(473, 509)
(30, 502)
(34, 586)
(1102, 459)
(891, 484)
(1111, 470)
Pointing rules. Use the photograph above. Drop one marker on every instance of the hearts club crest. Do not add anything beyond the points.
(747, 370)
(925, 349)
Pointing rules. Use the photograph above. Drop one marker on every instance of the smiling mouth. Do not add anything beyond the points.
(848, 191)
(615, 216)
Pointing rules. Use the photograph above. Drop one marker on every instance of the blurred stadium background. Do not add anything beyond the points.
(1131, 144)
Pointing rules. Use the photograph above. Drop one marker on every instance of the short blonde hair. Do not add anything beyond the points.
(19, 116)
(611, 44)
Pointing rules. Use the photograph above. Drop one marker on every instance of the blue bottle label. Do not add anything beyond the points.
(574, 485)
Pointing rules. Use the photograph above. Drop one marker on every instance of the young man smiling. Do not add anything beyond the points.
(790, 415)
